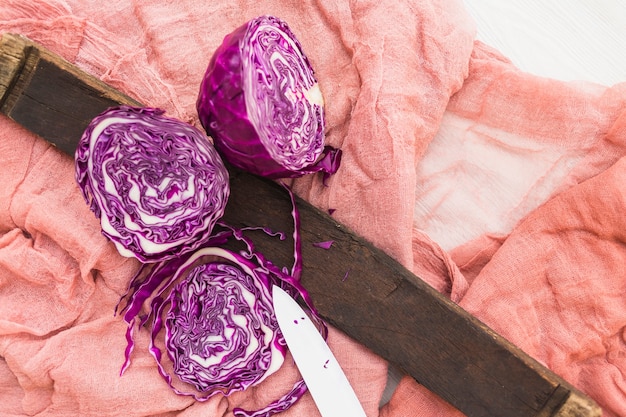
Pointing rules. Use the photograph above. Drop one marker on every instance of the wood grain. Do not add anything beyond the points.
(59, 102)
(379, 303)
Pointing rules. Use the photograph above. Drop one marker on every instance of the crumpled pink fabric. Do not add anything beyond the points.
(501, 189)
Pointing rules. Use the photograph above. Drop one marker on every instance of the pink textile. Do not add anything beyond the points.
(501, 189)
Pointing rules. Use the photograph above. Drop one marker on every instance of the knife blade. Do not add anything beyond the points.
(355, 286)
(319, 368)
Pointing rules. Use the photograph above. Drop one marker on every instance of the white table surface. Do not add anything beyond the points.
(563, 39)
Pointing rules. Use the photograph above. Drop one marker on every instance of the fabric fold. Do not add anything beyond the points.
(499, 188)
(567, 309)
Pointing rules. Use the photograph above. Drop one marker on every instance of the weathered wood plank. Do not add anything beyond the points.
(379, 303)
(59, 102)
(400, 317)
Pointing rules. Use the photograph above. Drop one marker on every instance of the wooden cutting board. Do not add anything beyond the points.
(380, 303)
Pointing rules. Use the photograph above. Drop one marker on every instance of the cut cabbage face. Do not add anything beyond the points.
(157, 184)
(260, 101)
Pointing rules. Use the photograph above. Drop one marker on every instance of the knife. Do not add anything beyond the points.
(355, 286)
(319, 368)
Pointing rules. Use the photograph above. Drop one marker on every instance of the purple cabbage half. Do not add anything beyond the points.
(260, 102)
(157, 184)
(221, 333)
(211, 312)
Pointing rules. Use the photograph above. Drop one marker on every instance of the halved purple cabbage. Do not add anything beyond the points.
(157, 184)
(211, 312)
(214, 310)
(221, 333)
(260, 101)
